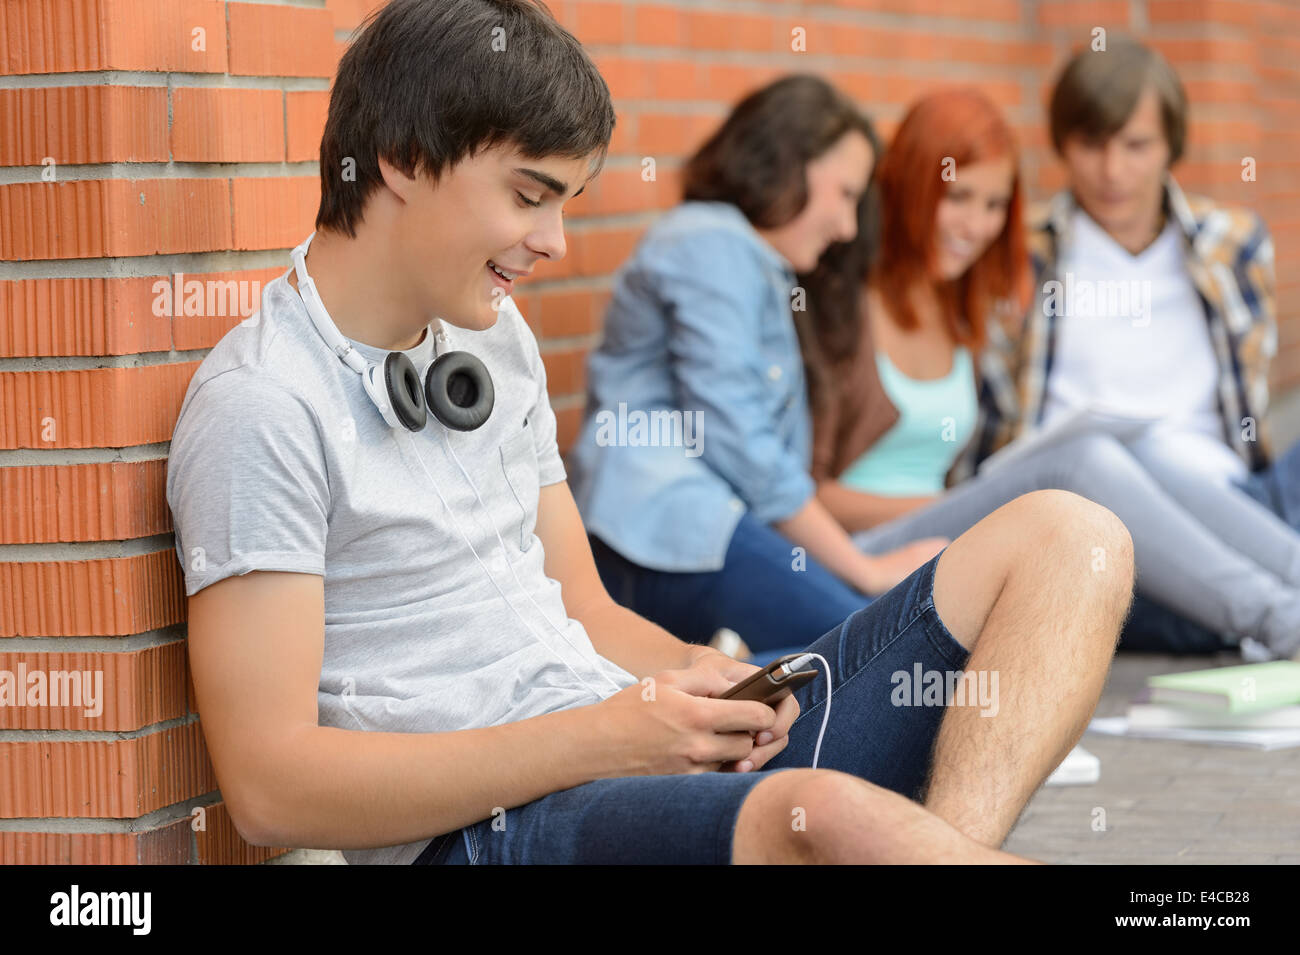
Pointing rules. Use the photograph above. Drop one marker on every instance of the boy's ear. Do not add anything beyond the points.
(396, 180)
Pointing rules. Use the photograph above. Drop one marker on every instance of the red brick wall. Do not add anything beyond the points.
(141, 138)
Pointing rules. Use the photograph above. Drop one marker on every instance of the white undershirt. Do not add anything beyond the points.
(1132, 336)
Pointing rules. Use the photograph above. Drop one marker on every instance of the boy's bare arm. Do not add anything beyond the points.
(256, 644)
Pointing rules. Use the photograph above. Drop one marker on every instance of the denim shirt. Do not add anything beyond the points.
(699, 323)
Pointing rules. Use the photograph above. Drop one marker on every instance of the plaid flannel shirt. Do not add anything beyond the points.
(1229, 257)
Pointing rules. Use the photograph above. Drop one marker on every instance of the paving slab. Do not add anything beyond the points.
(1167, 802)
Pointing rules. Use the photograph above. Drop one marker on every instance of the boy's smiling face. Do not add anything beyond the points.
(495, 207)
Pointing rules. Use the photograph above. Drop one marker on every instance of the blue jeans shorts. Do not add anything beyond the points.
(690, 818)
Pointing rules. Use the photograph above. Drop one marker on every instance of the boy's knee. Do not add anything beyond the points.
(1089, 544)
(1067, 520)
(798, 816)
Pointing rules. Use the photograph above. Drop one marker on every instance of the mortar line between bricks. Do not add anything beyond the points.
(162, 816)
(290, 84)
(29, 457)
(95, 736)
(149, 266)
(87, 550)
(162, 637)
(155, 171)
(148, 359)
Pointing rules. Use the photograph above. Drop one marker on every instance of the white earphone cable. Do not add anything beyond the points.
(827, 715)
(509, 602)
(509, 563)
(447, 437)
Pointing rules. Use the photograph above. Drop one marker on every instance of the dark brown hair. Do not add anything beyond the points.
(830, 329)
(427, 84)
(756, 159)
(1098, 90)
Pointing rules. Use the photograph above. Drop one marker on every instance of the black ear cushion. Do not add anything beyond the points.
(403, 383)
(458, 390)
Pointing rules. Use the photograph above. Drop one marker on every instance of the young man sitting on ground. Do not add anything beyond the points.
(399, 641)
(1159, 305)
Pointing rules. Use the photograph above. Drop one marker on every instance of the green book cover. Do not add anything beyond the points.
(1238, 689)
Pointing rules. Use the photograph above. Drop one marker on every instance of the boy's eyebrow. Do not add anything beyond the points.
(550, 182)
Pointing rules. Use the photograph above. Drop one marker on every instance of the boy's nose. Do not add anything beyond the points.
(550, 240)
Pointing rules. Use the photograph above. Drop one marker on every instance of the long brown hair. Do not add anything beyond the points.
(757, 161)
(757, 158)
(831, 326)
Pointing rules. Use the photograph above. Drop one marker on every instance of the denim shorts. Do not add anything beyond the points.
(690, 818)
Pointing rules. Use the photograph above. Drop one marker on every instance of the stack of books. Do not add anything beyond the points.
(1256, 705)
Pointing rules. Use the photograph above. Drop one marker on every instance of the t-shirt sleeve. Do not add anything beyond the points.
(247, 482)
(541, 418)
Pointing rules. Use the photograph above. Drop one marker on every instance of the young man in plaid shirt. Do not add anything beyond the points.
(1191, 340)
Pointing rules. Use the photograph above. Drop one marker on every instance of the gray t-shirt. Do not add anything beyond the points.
(280, 462)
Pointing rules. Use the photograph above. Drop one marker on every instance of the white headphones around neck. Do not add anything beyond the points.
(457, 387)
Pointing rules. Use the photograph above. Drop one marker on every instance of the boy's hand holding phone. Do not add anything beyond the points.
(725, 674)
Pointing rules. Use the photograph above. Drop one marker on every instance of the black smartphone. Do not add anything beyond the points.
(774, 682)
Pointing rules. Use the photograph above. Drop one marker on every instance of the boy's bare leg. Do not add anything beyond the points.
(826, 816)
(1038, 591)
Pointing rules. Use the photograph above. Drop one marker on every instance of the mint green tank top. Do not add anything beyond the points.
(936, 419)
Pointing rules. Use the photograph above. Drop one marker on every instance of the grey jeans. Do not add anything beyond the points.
(1207, 550)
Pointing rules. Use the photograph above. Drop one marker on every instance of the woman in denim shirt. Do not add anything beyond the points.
(692, 469)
